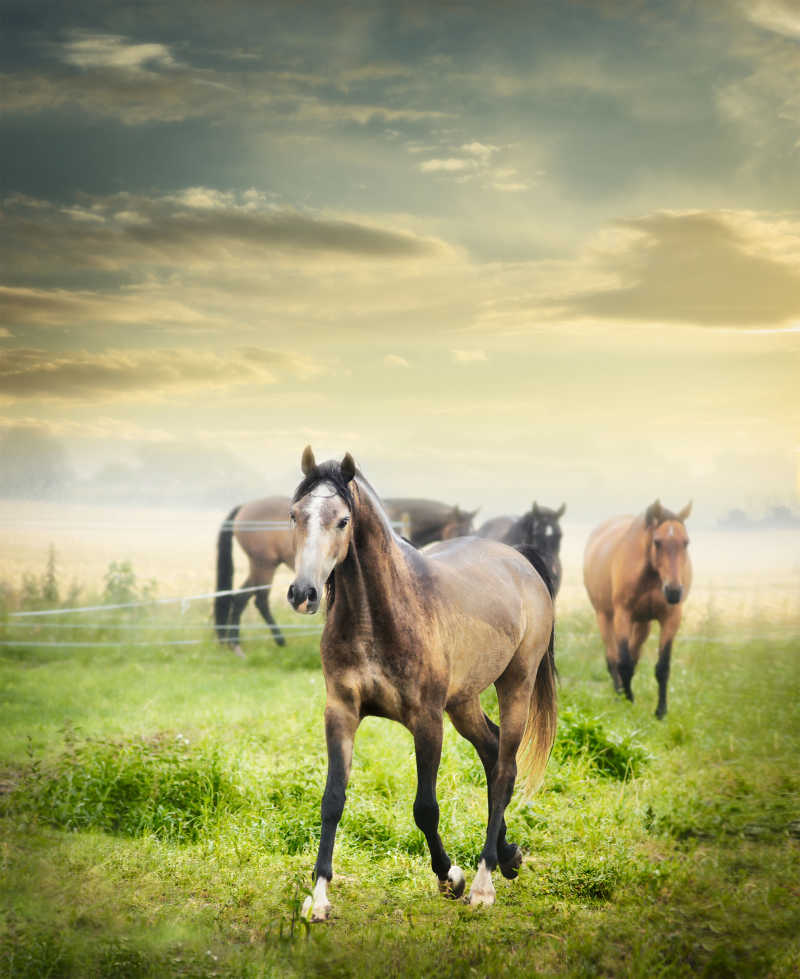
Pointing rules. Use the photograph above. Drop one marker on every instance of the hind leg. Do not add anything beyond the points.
(484, 735)
(240, 600)
(612, 660)
(514, 696)
(264, 577)
(427, 731)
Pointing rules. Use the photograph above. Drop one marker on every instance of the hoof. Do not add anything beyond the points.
(482, 890)
(510, 869)
(238, 651)
(483, 896)
(315, 912)
(661, 713)
(453, 885)
(279, 640)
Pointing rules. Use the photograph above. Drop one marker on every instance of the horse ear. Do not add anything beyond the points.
(561, 510)
(652, 515)
(308, 463)
(348, 467)
(535, 508)
(472, 513)
(684, 513)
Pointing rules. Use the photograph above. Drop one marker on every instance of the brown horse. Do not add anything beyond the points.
(409, 636)
(430, 520)
(637, 569)
(262, 530)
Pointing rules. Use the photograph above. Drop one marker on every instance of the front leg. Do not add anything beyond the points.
(669, 626)
(625, 663)
(427, 732)
(341, 722)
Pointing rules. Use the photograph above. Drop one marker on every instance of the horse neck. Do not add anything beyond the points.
(366, 583)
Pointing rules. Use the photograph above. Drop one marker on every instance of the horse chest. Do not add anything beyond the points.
(648, 606)
(385, 680)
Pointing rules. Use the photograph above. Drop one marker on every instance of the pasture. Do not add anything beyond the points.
(159, 805)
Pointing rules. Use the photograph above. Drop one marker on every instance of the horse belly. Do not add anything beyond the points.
(476, 665)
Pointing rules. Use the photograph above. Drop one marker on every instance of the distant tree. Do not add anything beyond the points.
(50, 579)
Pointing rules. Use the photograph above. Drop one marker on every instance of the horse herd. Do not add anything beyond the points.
(419, 625)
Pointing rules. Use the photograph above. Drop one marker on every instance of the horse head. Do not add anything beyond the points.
(668, 548)
(321, 518)
(542, 529)
(458, 523)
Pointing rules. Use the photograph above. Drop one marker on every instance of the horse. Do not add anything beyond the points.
(637, 569)
(539, 528)
(409, 636)
(266, 547)
(430, 520)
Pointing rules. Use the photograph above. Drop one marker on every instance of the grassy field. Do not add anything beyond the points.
(159, 816)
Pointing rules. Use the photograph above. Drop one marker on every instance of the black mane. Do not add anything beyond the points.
(326, 472)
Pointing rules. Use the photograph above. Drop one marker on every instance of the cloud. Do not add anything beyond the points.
(774, 15)
(483, 151)
(202, 260)
(394, 360)
(32, 373)
(108, 75)
(449, 165)
(196, 225)
(468, 356)
(709, 268)
(112, 51)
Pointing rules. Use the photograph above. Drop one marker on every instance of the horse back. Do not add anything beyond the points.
(268, 545)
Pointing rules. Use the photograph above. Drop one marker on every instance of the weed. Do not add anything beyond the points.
(605, 753)
(129, 788)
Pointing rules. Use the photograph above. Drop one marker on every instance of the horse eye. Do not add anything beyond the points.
(343, 523)
(657, 543)
(291, 517)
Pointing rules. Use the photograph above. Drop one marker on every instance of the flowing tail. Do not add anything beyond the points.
(540, 729)
(222, 603)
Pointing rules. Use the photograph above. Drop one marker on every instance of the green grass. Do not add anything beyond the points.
(159, 814)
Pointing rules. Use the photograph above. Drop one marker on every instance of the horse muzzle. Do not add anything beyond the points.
(303, 597)
(673, 594)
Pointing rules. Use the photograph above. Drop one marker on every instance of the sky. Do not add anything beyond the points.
(497, 251)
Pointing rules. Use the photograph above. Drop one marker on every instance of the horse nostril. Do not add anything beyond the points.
(290, 594)
(312, 594)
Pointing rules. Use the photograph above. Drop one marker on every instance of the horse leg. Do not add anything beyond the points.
(639, 633)
(514, 697)
(607, 632)
(262, 604)
(484, 735)
(240, 600)
(625, 663)
(341, 722)
(669, 626)
(427, 731)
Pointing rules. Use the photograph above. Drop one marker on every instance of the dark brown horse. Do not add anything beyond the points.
(410, 635)
(637, 569)
(539, 528)
(430, 520)
(261, 527)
